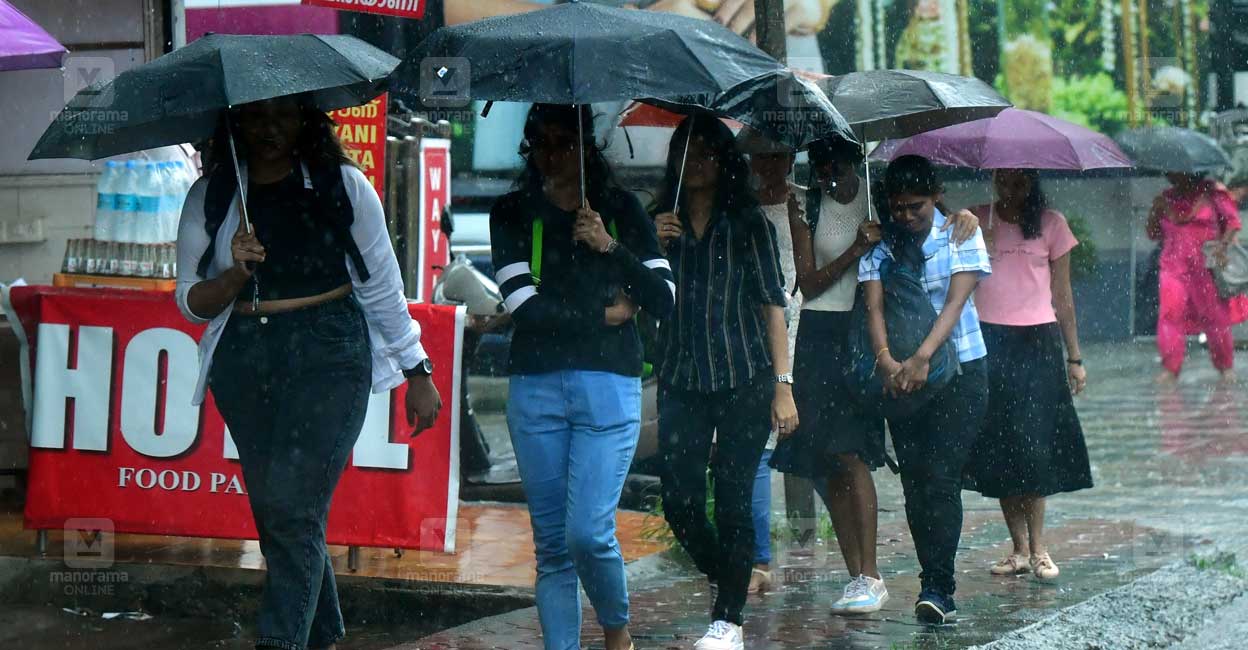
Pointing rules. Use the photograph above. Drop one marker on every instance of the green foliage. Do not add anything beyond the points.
(1222, 562)
(1092, 101)
(1084, 257)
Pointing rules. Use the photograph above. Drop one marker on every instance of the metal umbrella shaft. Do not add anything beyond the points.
(242, 212)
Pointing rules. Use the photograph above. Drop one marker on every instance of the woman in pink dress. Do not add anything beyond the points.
(1192, 212)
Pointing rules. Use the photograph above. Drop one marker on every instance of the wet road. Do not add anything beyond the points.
(1171, 472)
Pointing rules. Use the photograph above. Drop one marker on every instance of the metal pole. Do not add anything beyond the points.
(1128, 59)
(41, 543)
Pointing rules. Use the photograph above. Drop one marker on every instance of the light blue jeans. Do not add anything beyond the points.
(762, 510)
(574, 433)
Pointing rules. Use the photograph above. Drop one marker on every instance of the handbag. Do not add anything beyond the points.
(1232, 279)
(909, 318)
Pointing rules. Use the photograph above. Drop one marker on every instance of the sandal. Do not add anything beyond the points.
(1045, 568)
(1013, 565)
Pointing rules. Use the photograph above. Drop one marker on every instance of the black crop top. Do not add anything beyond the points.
(302, 256)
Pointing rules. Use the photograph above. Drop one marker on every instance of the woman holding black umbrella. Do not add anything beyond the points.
(574, 268)
(305, 312)
(724, 360)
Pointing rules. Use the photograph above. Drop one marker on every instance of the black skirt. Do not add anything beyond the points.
(831, 422)
(1031, 443)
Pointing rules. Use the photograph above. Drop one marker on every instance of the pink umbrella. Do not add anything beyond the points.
(23, 44)
(1014, 139)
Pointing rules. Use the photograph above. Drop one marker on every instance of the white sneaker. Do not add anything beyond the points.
(856, 588)
(871, 599)
(722, 635)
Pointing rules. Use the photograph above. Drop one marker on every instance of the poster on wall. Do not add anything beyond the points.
(362, 131)
(396, 8)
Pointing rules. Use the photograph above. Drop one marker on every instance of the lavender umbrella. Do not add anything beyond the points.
(1014, 139)
(23, 44)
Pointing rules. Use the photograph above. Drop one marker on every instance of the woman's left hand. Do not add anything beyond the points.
(784, 418)
(1220, 259)
(964, 225)
(1077, 375)
(590, 231)
(913, 374)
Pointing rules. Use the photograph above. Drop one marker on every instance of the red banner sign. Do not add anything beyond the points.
(400, 8)
(362, 130)
(114, 435)
(435, 194)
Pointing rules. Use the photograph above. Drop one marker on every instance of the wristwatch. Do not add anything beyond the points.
(786, 378)
(422, 369)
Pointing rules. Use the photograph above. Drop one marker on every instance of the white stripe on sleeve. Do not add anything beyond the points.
(658, 263)
(512, 270)
(672, 285)
(519, 297)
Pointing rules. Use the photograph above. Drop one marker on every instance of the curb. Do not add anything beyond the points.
(1154, 612)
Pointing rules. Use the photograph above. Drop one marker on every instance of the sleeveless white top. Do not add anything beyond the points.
(837, 229)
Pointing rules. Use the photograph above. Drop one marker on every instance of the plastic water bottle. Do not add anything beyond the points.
(106, 202)
(149, 191)
(127, 205)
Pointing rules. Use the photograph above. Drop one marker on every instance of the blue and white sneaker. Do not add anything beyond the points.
(935, 608)
(870, 597)
(853, 590)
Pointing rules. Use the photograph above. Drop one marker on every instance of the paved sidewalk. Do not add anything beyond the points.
(1169, 465)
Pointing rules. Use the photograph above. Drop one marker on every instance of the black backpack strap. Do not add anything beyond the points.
(330, 194)
(222, 187)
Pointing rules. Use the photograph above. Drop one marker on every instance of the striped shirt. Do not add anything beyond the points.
(944, 258)
(560, 317)
(716, 338)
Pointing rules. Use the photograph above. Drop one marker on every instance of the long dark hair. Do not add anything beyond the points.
(907, 175)
(599, 179)
(1033, 207)
(316, 144)
(733, 195)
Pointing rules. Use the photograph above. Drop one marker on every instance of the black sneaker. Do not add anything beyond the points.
(935, 608)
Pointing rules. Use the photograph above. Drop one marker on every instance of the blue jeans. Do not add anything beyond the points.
(293, 388)
(762, 510)
(574, 433)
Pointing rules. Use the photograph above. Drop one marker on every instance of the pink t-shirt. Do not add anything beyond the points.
(1019, 291)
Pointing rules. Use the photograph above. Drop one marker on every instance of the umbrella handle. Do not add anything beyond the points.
(684, 156)
(238, 177)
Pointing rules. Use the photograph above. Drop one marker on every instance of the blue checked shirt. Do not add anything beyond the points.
(944, 258)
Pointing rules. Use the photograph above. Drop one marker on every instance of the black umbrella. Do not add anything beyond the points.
(177, 97)
(883, 104)
(781, 105)
(582, 53)
(1172, 149)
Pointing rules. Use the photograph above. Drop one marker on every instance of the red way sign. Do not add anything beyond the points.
(435, 193)
(400, 8)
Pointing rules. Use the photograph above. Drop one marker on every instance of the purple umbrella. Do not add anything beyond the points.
(1014, 139)
(23, 44)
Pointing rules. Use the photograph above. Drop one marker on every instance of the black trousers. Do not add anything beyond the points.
(933, 447)
(740, 421)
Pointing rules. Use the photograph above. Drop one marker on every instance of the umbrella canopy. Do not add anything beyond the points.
(582, 53)
(883, 104)
(1014, 139)
(177, 97)
(781, 105)
(23, 44)
(1171, 149)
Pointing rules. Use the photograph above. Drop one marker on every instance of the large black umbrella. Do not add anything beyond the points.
(582, 53)
(781, 105)
(883, 104)
(1172, 149)
(177, 97)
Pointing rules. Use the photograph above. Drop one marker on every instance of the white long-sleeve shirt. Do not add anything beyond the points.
(393, 336)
